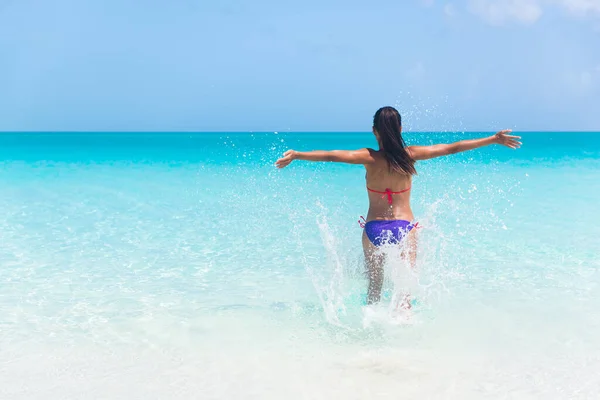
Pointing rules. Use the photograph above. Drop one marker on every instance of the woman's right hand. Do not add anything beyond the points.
(507, 140)
(287, 158)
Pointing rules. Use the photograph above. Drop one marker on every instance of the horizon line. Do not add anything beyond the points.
(285, 131)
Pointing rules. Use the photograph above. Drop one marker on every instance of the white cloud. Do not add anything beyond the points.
(499, 12)
(581, 6)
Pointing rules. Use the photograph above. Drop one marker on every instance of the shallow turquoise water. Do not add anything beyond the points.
(174, 265)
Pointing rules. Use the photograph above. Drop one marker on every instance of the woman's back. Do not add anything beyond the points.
(388, 190)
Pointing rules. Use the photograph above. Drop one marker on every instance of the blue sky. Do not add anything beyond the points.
(267, 65)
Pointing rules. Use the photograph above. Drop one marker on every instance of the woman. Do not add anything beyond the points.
(389, 177)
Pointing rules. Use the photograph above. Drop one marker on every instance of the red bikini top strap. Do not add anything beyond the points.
(388, 192)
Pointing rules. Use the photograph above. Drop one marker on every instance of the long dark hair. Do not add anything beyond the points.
(388, 124)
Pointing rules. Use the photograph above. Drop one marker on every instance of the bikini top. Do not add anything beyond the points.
(388, 193)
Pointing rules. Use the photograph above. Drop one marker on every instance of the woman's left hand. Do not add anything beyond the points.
(287, 158)
(505, 139)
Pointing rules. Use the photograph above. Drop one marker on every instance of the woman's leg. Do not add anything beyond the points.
(409, 254)
(374, 263)
(410, 251)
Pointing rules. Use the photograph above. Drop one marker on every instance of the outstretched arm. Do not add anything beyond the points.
(439, 150)
(362, 156)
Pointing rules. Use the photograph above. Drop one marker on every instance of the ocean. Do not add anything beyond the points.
(186, 266)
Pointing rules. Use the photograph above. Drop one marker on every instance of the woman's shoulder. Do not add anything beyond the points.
(374, 153)
(379, 160)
